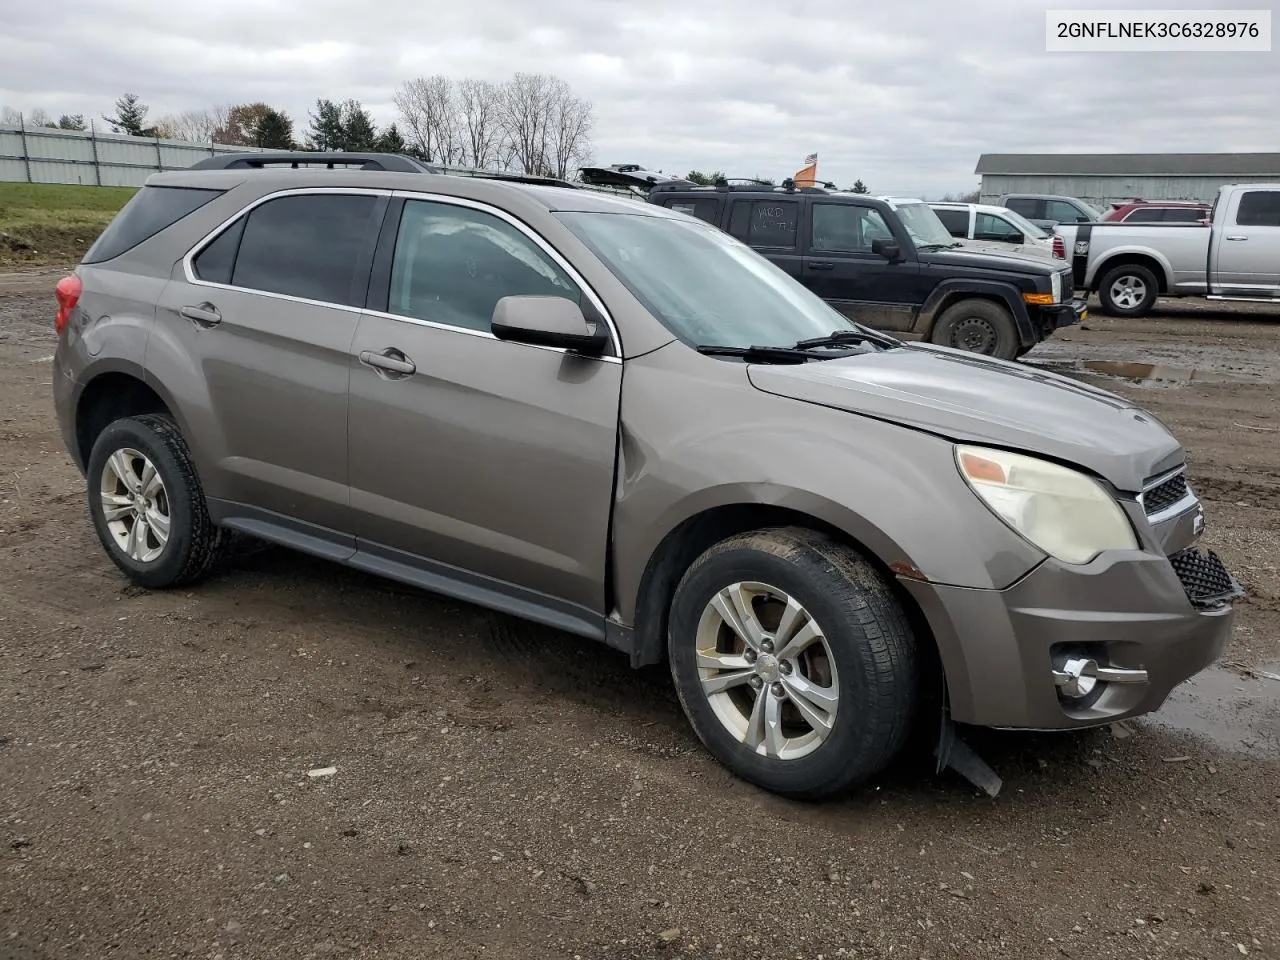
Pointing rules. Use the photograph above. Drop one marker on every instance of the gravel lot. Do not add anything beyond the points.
(502, 790)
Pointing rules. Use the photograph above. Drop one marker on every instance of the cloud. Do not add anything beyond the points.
(904, 96)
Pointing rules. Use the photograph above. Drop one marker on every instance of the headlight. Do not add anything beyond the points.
(1056, 287)
(1066, 514)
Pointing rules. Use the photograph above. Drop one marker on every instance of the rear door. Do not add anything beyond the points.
(772, 227)
(1246, 245)
(259, 331)
(478, 454)
(840, 267)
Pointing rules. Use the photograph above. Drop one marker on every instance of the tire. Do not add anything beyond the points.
(866, 651)
(979, 326)
(1129, 290)
(193, 543)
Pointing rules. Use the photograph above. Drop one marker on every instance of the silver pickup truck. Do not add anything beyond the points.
(1235, 255)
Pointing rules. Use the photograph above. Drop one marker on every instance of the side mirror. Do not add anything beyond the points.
(547, 322)
(888, 249)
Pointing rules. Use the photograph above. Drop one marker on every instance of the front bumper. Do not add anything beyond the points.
(1065, 314)
(1127, 611)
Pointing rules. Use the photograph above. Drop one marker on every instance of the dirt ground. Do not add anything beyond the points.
(502, 790)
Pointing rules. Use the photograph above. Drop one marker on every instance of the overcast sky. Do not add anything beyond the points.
(904, 95)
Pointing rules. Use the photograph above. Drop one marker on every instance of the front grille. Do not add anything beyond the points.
(1165, 494)
(1068, 285)
(1204, 578)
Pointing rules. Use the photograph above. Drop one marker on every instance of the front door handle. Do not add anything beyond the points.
(390, 359)
(1236, 237)
(822, 266)
(205, 315)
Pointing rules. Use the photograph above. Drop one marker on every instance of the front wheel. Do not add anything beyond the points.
(147, 505)
(979, 326)
(793, 661)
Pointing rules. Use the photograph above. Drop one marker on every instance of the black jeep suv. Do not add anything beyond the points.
(890, 264)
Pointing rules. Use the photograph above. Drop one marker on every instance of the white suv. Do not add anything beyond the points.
(998, 228)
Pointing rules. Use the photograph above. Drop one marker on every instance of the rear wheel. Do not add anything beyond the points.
(793, 661)
(979, 326)
(147, 505)
(1129, 290)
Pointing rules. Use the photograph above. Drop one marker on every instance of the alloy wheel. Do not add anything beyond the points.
(135, 505)
(767, 670)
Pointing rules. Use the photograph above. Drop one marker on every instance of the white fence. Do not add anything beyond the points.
(46, 155)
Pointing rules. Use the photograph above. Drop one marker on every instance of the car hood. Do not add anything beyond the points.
(1009, 261)
(970, 398)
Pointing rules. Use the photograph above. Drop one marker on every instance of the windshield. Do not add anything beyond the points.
(923, 224)
(703, 285)
(1028, 228)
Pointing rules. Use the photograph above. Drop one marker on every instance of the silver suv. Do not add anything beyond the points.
(615, 419)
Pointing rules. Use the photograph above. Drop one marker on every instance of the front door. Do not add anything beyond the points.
(258, 338)
(840, 267)
(1246, 256)
(469, 453)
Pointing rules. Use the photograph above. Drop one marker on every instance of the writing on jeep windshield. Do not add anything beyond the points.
(702, 284)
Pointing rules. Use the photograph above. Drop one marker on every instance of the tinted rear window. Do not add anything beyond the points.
(956, 221)
(708, 210)
(306, 246)
(148, 212)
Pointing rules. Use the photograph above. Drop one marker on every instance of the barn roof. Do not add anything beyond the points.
(1132, 164)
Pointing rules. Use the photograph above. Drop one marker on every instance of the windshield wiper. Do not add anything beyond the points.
(840, 338)
(759, 354)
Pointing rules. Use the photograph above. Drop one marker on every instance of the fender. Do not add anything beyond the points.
(1166, 268)
(1006, 292)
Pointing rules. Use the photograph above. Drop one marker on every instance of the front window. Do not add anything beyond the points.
(703, 285)
(923, 224)
(1024, 226)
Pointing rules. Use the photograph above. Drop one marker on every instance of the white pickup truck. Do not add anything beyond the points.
(1235, 255)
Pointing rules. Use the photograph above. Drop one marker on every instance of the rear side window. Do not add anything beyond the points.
(707, 210)
(1027, 206)
(1145, 215)
(956, 221)
(1259, 208)
(1183, 215)
(307, 246)
(766, 223)
(1061, 211)
(148, 212)
(215, 262)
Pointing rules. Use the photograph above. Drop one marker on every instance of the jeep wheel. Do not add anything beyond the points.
(793, 661)
(979, 326)
(1129, 290)
(147, 505)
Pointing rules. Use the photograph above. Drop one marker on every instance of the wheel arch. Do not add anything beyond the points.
(950, 292)
(1153, 261)
(113, 392)
(685, 541)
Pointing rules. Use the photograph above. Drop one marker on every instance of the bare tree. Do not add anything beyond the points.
(480, 116)
(9, 116)
(569, 122)
(430, 112)
(40, 118)
(547, 128)
(525, 99)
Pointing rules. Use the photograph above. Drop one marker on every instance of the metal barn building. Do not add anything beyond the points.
(1103, 178)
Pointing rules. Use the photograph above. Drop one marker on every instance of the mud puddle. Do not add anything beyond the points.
(1154, 374)
(1235, 711)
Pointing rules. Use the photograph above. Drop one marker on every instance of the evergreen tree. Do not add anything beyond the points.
(390, 141)
(129, 117)
(358, 130)
(326, 131)
(274, 131)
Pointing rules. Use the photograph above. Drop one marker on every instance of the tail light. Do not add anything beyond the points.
(1059, 248)
(68, 293)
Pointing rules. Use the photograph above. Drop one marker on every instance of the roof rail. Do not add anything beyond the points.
(392, 162)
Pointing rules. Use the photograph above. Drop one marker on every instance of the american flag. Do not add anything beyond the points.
(811, 158)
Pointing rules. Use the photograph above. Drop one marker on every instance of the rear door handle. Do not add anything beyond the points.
(822, 266)
(205, 315)
(1236, 237)
(389, 359)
